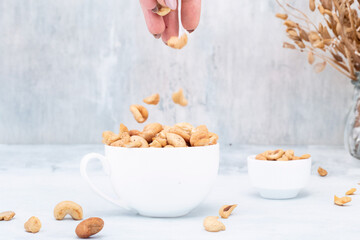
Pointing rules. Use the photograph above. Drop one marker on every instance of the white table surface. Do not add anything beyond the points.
(33, 179)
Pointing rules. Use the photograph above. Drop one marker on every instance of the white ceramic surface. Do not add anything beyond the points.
(279, 179)
(158, 182)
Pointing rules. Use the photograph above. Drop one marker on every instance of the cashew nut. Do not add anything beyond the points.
(305, 156)
(169, 146)
(161, 10)
(351, 191)
(185, 126)
(110, 137)
(226, 210)
(153, 99)
(212, 224)
(150, 131)
(200, 136)
(123, 129)
(155, 144)
(179, 131)
(341, 201)
(260, 157)
(137, 141)
(283, 158)
(178, 42)
(68, 207)
(32, 225)
(139, 112)
(134, 132)
(274, 155)
(213, 137)
(179, 98)
(7, 216)
(124, 139)
(133, 144)
(175, 140)
(289, 154)
(160, 140)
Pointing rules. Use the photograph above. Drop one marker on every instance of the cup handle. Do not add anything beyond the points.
(83, 170)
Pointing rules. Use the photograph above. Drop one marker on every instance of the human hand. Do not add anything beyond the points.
(168, 26)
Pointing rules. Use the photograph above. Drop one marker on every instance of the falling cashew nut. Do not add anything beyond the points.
(139, 112)
(212, 224)
(68, 207)
(178, 42)
(153, 99)
(179, 98)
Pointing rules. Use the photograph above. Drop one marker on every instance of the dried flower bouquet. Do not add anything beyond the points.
(335, 40)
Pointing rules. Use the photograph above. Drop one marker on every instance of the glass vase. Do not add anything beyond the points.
(352, 126)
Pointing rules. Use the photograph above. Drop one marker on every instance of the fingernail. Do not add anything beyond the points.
(157, 36)
(155, 9)
(190, 31)
(171, 4)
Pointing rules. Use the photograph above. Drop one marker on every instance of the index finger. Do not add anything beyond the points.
(148, 4)
(190, 14)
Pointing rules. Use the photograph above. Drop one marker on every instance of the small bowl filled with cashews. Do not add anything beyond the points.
(279, 174)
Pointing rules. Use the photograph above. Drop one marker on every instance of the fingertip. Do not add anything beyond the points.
(190, 14)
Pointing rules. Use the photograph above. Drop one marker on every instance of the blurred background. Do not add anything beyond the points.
(70, 70)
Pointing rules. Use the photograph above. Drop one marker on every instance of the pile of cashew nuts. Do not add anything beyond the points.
(280, 155)
(161, 136)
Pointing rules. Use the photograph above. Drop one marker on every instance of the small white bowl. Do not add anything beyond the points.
(279, 179)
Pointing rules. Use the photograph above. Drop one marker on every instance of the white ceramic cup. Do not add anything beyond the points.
(157, 182)
(279, 179)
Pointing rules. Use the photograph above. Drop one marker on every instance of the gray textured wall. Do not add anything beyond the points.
(70, 69)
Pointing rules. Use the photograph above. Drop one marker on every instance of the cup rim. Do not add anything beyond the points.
(161, 149)
(252, 158)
